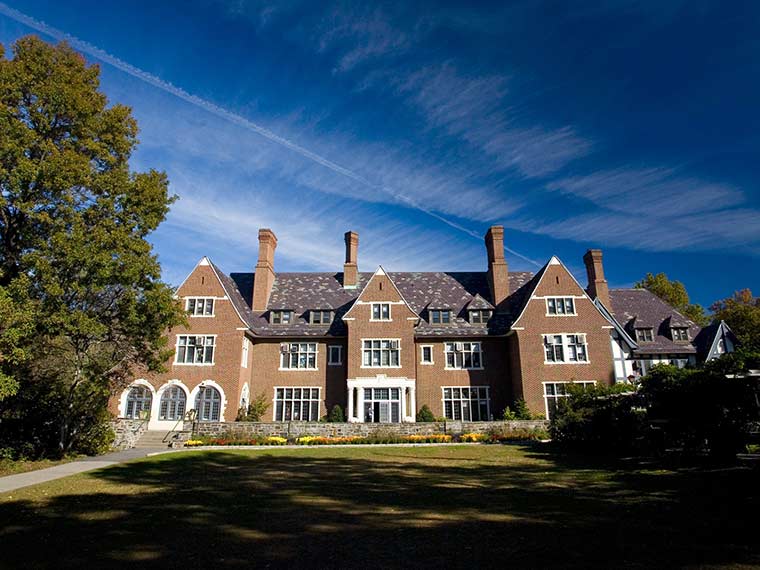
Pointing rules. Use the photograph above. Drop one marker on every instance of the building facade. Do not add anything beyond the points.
(383, 344)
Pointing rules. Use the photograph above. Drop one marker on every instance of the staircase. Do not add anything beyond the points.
(156, 438)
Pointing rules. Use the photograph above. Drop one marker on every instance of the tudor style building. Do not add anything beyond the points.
(383, 344)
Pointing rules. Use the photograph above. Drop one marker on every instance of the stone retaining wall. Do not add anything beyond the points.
(127, 432)
(297, 429)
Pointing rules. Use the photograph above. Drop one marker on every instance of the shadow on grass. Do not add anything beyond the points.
(484, 506)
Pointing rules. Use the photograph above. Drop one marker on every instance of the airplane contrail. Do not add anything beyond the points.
(234, 118)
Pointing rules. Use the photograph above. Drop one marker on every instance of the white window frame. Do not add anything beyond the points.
(281, 313)
(205, 344)
(380, 311)
(641, 330)
(381, 350)
(482, 318)
(440, 313)
(452, 348)
(321, 313)
(330, 360)
(244, 353)
(422, 355)
(457, 401)
(561, 302)
(311, 400)
(685, 330)
(204, 300)
(556, 396)
(308, 351)
(565, 347)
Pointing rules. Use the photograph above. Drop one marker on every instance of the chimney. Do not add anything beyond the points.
(597, 284)
(264, 278)
(498, 271)
(350, 268)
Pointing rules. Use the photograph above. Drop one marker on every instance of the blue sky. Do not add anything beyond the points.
(628, 126)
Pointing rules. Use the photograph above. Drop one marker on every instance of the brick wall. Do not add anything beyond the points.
(296, 429)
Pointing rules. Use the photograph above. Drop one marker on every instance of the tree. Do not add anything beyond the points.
(425, 414)
(336, 415)
(742, 314)
(74, 221)
(16, 329)
(256, 410)
(521, 411)
(674, 294)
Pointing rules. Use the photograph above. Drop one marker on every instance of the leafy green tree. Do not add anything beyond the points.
(256, 409)
(336, 415)
(425, 414)
(742, 314)
(74, 218)
(17, 318)
(674, 294)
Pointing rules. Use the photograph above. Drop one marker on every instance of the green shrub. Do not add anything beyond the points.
(520, 412)
(255, 410)
(336, 415)
(425, 414)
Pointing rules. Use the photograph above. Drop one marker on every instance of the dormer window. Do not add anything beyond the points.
(321, 317)
(644, 335)
(440, 316)
(281, 317)
(680, 334)
(200, 306)
(560, 306)
(480, 316)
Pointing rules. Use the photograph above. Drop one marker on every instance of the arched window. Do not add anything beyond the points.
(208, 404)
(172, 404)
(139, 398)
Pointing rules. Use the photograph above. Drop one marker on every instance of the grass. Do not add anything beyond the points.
(449, 506)
(11, 467)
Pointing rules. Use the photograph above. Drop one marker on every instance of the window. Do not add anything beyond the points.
(208, 404)
(298, 355)
(480, 317)
(644, 335)
(321, 317)
(200, 306)
(381, 311)
(467, 404)
(296, 404)
(680, 334)
(244, 355)
(565, 348)
(721, 348)
(381, 353)
(335, 355)
(440, 316)
(560, 306)
(463, 355)
(195, 349)
(553, 391)
(172, 404)
(139, 400)
(281, 317)
(382, 405)
(426, 354)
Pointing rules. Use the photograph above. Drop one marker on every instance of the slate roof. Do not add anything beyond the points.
(302, 292)
(637, 308)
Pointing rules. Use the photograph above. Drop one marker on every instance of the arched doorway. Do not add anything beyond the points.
(139, 400)
(208, 404)
(173, 402)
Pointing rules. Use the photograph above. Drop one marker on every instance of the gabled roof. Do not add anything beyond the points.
(707, 339)
(479, 303)
(639, 308)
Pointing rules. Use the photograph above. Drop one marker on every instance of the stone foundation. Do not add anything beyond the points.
(127, 432)
(297, 429)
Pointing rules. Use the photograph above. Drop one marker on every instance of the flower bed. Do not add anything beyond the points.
(270, 440)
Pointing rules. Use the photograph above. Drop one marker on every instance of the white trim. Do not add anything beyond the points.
(380, 271)
(316, 357)
(372, 319)
(176, 351)
(382, 381)
(155, 421)
(422, 352)
(205, 261)
(381, 339)
(546, 397)
(488, 401)
(564, 336)
(309, 399)
(455, 342)
(554, 261)
(562, 298)
(123, 398)
(194, 395)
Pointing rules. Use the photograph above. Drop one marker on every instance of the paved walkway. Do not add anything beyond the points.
(13, 482)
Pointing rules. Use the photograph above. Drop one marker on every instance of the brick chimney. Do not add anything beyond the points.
(264, 278)
(350, 267)
(498, 271)
(597, 284)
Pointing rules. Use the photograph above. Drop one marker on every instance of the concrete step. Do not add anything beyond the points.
(155, 438)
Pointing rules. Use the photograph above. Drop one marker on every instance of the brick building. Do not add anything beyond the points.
(381, 345)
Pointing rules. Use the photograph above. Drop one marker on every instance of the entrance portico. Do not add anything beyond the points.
(381, 399)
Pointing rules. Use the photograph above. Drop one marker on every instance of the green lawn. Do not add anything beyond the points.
(449, 506)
